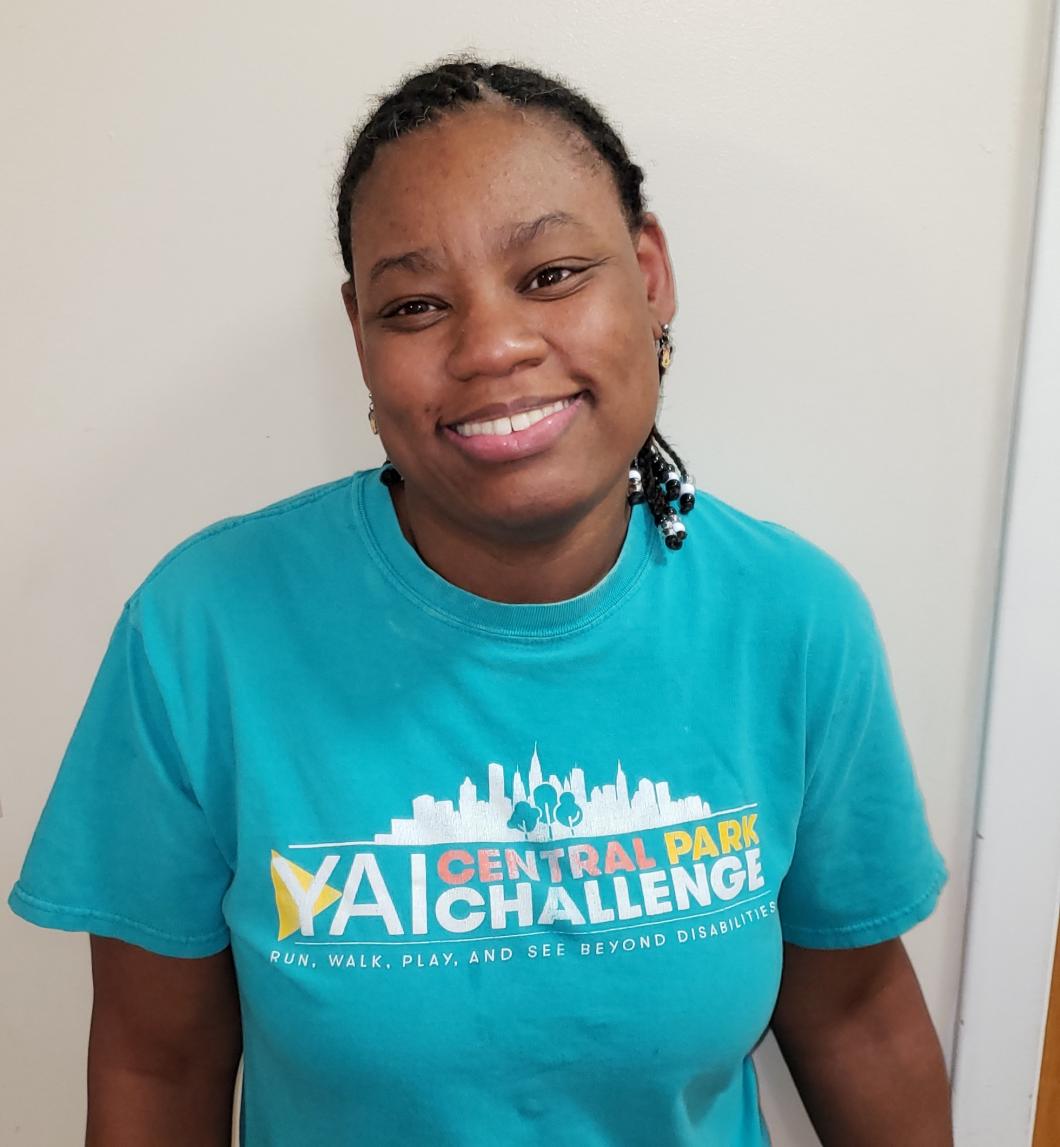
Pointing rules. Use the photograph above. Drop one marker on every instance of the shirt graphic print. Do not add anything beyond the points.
(609, 868)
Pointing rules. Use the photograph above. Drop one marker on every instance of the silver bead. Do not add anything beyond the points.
(635, 491)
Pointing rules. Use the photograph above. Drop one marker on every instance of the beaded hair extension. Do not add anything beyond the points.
(659, 478)
(422, 99)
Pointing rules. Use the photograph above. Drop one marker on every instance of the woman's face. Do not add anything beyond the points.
(505, 320)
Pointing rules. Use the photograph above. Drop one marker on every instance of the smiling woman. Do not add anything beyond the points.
(530, 276)
(374, 783)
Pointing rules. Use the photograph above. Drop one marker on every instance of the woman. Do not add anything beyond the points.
(469, 804)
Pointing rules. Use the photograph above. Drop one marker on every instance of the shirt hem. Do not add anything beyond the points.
(877, 930)
(63, 918)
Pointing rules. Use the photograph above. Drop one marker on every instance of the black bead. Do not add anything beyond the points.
(673, 530)
(688, 494)
(389, 476)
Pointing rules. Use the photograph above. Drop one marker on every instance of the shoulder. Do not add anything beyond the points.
(761, 558)
(798, 604)
(246, 554)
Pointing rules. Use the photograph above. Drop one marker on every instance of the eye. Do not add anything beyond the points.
(554, 276)
(411, 308)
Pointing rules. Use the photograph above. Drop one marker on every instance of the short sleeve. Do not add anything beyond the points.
(864, 868)
(122, 848)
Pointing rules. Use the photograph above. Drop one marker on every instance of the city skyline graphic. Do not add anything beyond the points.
(527, 811)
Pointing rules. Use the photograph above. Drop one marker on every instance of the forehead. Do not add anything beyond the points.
(475, 172)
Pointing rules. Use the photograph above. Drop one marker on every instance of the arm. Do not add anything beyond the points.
(163, 1049)
(857, 1037)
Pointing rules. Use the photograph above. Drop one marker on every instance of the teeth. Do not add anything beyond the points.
(521, 421)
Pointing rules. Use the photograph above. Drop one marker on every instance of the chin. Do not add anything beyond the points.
(539, 510)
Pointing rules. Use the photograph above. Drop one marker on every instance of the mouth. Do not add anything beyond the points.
(514, 422)
(518, 430)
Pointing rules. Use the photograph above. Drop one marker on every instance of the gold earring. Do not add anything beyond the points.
(666, 348)
(371, 415)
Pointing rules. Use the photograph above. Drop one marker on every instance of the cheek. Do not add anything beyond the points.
(618, 354)
(615, 332)
(404, 387)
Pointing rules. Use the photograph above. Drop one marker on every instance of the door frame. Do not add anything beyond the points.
(1015, 883)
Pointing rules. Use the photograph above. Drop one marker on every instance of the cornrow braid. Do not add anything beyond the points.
(423, 98)
(658, 477)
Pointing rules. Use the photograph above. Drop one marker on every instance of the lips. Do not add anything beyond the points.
(516, 421)
(520, 430)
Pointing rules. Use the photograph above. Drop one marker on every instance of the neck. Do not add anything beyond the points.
(551, 567)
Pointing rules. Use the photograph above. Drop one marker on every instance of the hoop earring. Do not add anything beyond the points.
(666, 349)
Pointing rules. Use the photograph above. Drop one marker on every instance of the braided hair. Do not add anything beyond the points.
(455, 82)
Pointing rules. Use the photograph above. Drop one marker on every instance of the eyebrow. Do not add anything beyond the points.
(522, 234)
(418, 260)
(519, 235)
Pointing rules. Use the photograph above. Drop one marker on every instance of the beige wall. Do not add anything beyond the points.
(847, 189)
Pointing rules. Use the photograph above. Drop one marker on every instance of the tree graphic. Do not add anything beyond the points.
(524, 818)
(545, 799)
(568, 812)
(549, 807)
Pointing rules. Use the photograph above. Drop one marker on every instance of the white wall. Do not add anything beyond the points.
(848, 191)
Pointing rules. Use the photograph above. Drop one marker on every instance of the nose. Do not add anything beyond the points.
(494, 338)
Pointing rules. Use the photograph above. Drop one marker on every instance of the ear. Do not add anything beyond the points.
(349, 301)
(654, 259)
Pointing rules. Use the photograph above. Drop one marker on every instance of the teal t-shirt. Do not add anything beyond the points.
(490, 873)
